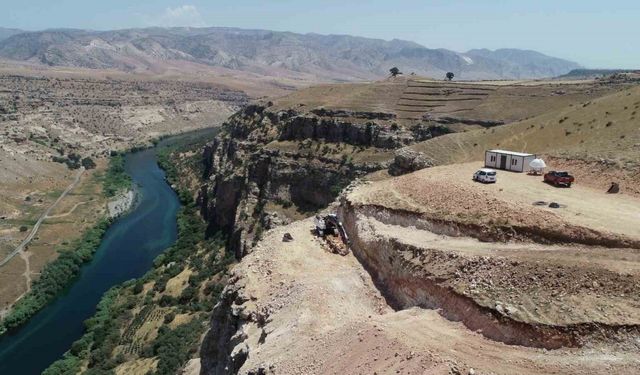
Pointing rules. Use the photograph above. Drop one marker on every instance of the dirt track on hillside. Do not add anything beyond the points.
(327, 317)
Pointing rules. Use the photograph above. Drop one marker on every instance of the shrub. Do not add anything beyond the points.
(116, 179)
(88, 163)
(169, 317)
(139, 287)
(173, 347)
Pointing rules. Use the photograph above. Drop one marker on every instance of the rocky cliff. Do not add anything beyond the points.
(269, 167)
(293, 162)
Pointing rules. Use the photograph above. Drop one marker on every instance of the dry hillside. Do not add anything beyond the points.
(446, 276)
(307, 57)
(461, 105)
(602, 128)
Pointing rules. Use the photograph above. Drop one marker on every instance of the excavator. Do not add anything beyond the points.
(331, 230)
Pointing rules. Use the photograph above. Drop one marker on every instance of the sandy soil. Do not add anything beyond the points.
(556, 268)
(599, 174)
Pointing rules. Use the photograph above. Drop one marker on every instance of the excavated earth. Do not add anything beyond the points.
(445, 277)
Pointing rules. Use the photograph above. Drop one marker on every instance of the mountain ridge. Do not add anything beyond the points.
(270, 53)
(8, 32)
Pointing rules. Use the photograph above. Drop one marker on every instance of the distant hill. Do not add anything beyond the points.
(5, 33)
(592, 73)
(270, 53)
(524, 63)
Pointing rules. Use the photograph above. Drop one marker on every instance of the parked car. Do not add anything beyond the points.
(485, 175)
(559, 178)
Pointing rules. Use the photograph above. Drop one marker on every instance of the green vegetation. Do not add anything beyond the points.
(172, 174)
(88, 163)
(99, 331)
(109, 338)
(73, 160)
(116, 178)
(55, 277)
(172, 347)
(175, 347)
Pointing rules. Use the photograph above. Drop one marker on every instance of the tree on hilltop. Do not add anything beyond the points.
(394, 71)
(450, 75)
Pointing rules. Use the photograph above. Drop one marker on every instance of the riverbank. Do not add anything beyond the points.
(121, 203)
(127, 251)
(61, 271)
(55, 277)
(154, 324)
(62, 222)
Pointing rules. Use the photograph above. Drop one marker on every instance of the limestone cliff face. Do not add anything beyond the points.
(290, 160)
(246, 167)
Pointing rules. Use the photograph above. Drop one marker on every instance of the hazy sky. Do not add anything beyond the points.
(594, 33)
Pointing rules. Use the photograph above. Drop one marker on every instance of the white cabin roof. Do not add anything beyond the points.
(511, 153)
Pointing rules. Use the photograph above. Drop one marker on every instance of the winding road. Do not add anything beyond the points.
(41, 219)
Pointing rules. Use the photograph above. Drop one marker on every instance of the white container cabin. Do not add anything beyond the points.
(508, 160)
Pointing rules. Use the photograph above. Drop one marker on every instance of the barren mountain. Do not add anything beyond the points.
(269, 53)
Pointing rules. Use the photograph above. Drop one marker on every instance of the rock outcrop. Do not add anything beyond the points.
(292, 159)
(267, 163)
(407, 161)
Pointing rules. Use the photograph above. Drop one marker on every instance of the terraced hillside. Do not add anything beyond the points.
(420, 97)
(459, 105)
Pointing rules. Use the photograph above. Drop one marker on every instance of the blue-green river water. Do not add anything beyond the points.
(127, 251)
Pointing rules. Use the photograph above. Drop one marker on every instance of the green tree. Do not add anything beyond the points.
(88, 163)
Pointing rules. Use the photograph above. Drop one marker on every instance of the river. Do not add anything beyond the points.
(127, 251)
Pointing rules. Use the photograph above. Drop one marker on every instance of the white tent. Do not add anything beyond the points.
(537, 165)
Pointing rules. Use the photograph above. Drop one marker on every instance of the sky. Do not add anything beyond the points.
(594, 33)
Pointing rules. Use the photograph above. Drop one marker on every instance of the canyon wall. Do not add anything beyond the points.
(270, 167)
(297, 161)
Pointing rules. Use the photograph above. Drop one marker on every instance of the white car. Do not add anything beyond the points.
(485, 175)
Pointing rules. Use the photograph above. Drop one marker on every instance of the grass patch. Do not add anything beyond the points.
(116, 178)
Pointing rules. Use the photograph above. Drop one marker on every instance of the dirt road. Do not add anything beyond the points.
(68, 212)
(41, 219)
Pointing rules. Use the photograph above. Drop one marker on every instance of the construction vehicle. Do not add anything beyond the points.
(331, 230)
